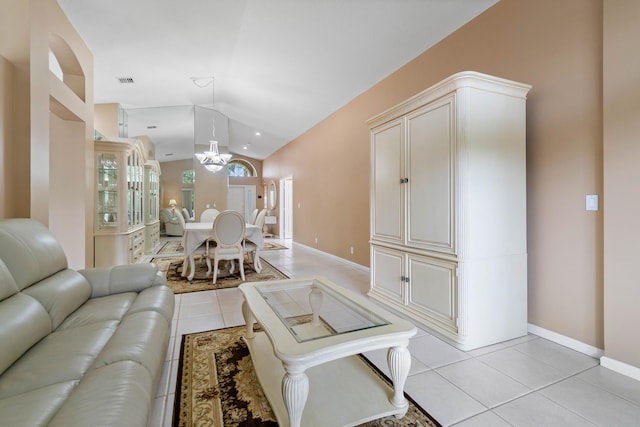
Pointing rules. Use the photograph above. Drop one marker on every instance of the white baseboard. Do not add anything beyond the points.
(573, 344)
(620, 367)
(346, 261)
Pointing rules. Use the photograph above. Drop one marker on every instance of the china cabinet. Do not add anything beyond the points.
(151, 205)
(448, 209)
(119, 224)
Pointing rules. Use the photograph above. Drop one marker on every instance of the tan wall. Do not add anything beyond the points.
(621, 177)
(72, 134)
(6, 132)
(14, 102)
(106, 119)
(171, 181)
(47, 113)
(211, 188)
(554, 46)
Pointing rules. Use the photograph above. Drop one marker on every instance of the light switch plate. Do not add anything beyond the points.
(592, 202)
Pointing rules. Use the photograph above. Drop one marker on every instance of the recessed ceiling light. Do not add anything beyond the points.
(257, 133)
(244, 147)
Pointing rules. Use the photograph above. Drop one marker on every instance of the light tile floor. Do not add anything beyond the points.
(528, 381)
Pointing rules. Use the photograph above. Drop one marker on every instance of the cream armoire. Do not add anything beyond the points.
(448, 209)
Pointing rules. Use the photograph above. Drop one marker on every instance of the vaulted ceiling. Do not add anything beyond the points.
(280, 66)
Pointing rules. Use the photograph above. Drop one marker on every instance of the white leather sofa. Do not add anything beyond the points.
(77, 348)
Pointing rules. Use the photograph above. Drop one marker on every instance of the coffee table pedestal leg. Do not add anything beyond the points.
(399, 360)
(248, 319)
(295, 389)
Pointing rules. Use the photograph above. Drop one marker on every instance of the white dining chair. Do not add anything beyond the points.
(250, 248)
(208, 215)
(228, 235)
(252, 218)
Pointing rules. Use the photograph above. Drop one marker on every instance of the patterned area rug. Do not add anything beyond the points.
(171, 247)
(172, 268)
(272, 246)
(218, 387)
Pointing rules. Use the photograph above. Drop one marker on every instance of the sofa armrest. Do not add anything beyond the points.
(122, 278)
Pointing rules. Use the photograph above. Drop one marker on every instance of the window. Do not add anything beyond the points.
(240, 167)
(188, 177)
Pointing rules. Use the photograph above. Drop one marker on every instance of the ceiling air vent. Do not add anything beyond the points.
(124, 80)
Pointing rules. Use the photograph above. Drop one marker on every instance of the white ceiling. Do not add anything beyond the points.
(280, 66)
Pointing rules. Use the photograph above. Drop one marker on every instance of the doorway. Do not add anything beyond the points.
(242, 198)
(286, 208)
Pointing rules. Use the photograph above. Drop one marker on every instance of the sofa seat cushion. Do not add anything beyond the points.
(119, 394)
(37, 407)
(62, 356)
(139, 338)
(95, 310)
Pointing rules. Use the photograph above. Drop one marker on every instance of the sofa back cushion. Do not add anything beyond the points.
(30, 251)
(23, 320)
(61, 294)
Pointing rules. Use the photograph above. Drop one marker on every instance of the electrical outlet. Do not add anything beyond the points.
(316, 240)
(352, 250)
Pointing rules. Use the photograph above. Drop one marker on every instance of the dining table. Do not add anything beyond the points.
(196, 233)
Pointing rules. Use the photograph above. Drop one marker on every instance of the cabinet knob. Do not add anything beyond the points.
(404, 180)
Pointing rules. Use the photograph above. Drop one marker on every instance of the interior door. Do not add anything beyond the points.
(235, 198)
(286, 211)
(242, 198)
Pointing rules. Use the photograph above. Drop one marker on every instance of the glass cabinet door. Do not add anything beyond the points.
(151, 213)
(140, 191)
(130, 189)
(107, 190)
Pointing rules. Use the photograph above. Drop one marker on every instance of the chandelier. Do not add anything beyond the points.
(212, 160)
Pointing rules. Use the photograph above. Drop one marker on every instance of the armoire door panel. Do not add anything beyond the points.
(433, 288)
(430, 166)
(387, 274)
(388, 208)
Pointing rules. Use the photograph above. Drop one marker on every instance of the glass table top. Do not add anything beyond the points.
(312, 311)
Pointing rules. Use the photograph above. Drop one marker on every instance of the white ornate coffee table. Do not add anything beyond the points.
(306, 358)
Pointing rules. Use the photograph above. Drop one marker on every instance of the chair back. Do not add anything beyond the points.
(228, 229)
(208, 215)
(252, 218)
(165, 215)
(186, 214)
(260, 218)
